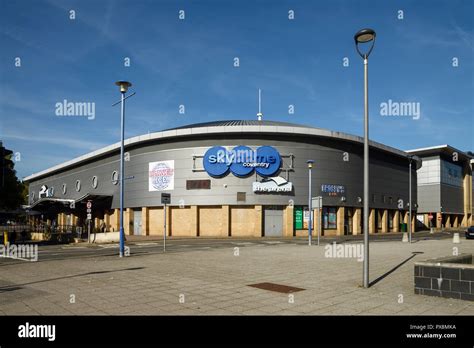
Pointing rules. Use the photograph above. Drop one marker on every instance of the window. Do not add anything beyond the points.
(329, 217)
(241, 196)
(390, 219)
(198, 184)
(115, 177)
(64, 189)
(78, 185)
(94, 181)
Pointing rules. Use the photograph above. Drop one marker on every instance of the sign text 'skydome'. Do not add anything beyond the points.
(241, 161)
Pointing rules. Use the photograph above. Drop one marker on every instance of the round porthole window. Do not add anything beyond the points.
(115, 177)
(64, 189)
(78, 185)
(94, 181)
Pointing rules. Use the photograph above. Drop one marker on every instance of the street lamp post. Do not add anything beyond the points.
(124, 85)
(410, 159)
(310, 222)
(361, 37)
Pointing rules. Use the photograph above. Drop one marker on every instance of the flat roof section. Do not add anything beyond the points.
(441, 149)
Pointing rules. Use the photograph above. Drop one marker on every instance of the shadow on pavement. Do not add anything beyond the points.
(19, 286)
(375, 281)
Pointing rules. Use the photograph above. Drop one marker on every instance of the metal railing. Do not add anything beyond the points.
(58, 233)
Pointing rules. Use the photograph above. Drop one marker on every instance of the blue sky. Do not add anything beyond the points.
(190, 62)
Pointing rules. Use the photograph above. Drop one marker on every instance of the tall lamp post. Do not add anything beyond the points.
(361, 37)
(124, 85)
(410, 159)
(310, 222)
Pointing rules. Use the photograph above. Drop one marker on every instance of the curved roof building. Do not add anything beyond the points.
(230, 178)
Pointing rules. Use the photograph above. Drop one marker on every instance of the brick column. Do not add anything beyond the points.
(396, 221)
(439, 219)
(107, 221)
(456, 221)
(288, 221)
(195, 219)
(128, 222)
(317, 223)
(96, 224)
(426, 220)
(258, 221)
(385, 221)
(356, 219)
(340, 221)
(226, 219)
(372, 226)
(448, 221)
(145, 221)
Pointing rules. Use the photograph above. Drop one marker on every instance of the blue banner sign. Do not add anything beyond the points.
(241, 161)
(333, 190)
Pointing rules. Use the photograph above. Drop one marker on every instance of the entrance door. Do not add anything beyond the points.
(137, 222)
(273, 221)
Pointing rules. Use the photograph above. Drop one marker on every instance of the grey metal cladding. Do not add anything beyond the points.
(388, 172)
(429, 198)
(452, 199)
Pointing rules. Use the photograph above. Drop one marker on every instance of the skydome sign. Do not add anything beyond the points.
(241, 161)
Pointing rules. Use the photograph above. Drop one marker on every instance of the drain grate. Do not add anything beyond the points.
(276, 287)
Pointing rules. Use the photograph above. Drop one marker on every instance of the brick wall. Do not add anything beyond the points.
(451, 277)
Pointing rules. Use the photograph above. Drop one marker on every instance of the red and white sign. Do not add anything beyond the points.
(430, 217)
(161, 176)
(89, 204)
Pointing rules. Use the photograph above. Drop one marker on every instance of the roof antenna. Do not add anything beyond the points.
(259, 114)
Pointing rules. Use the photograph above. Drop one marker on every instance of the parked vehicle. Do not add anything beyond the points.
(470, 232)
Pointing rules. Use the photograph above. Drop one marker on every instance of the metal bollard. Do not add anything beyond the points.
(456, 239)
(405, 237)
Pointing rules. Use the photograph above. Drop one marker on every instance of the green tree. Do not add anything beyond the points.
(12, 191)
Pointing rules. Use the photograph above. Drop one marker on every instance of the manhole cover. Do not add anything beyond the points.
(276, 287)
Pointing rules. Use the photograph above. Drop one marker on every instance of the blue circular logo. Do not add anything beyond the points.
(268, 161)
(242, 161)
(215, 161)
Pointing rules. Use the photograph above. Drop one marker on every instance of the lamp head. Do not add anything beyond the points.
(364, 36)
(310, 163)
(123, 85)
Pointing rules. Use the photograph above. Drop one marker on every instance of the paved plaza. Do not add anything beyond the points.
(213, 277)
